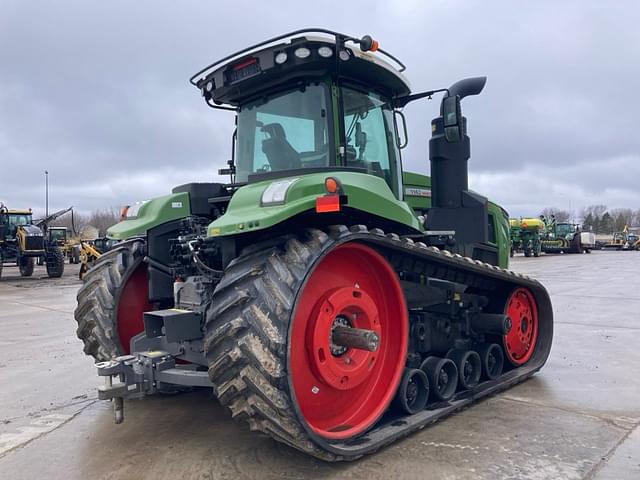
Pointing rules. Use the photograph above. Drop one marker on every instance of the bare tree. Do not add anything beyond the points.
(100, 219)
(561, 215)
(73, 221)
(103, 219)
(622, 217)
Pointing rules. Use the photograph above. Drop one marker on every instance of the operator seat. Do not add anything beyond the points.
(279, 152)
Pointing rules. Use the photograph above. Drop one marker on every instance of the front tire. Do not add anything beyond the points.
(55, 263)
(26, 264)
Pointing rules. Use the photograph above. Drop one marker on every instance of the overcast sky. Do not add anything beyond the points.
(97, 93)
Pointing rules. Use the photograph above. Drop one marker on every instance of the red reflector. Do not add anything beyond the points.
(328, 203)
(244, 63)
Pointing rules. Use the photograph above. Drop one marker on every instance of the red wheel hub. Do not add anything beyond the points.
(343, 368)
(342, 391)
(520, 342)
(132, 303)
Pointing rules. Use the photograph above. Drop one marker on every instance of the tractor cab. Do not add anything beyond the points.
(322, 102)
(57, 235)
(309, 102)
(10, 220)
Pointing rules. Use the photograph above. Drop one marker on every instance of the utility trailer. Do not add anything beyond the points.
(329, 300)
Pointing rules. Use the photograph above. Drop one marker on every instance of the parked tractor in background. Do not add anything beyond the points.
(60, 236)
(525, 236)
(23, 242)
(516, 240)
(624, 240)
(564, 237)
(311, 293)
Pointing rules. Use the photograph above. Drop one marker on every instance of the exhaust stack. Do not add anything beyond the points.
(454, 206)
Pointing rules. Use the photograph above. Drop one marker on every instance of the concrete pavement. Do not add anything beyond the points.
(576, 419)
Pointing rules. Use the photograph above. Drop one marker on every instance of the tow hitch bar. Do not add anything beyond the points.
(145, 373)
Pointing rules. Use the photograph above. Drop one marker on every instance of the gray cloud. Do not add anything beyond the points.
(97, 93)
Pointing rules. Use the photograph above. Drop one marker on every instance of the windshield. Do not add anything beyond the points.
(15, 220)
(57, 234)
(564, 229)
(368, 126)
(286, 131)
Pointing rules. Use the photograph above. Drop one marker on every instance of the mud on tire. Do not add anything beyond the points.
(246, 336)
(98, 297)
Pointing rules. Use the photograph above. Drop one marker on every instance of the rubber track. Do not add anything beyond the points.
(248, 326)
(98, 297)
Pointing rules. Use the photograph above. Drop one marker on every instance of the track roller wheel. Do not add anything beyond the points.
(413, 392)
(443, 377)
(520, 341)
(469, 367)
(492, 360)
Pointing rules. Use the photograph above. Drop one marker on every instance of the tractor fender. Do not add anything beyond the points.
(262, 205)
(145, 215)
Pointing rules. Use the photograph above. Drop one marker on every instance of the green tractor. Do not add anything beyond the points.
(564, 237)
(330, 300)
(24, 242)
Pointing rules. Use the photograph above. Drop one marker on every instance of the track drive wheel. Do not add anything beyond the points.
(113, 296)
(25, 265)
(275, 339)
(520, 342)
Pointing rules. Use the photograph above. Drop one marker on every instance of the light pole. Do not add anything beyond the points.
(46, 192)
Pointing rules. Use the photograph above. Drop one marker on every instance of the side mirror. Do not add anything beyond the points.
(452, 118)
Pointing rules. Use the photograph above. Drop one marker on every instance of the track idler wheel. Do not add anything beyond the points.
(492, 360)
(520, 340)
(443, 377)
(469, 367)
(413, 392)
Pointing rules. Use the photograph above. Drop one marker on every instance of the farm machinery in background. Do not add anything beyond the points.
(624, 240)
(564, 237)
(24, 242)
(526, 236)
(311, 293)
(91, 250)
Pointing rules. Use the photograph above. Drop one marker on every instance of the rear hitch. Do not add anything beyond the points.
(145, 373)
